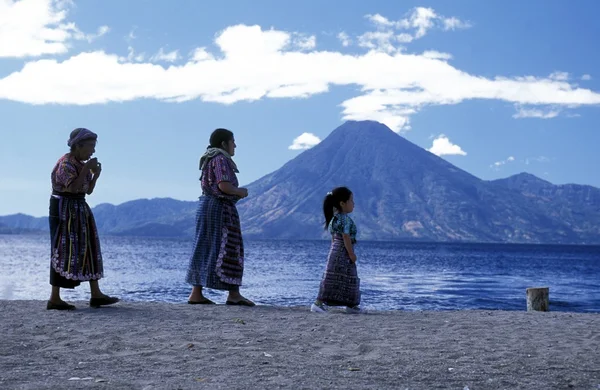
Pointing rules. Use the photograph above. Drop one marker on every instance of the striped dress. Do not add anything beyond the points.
(75, 248)
(340, 285)
(217, 259)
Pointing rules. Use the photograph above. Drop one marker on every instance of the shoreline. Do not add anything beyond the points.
(33, 232)
(156, 345)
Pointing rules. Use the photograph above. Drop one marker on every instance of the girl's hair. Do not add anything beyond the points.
(218, 137)
(332, 201)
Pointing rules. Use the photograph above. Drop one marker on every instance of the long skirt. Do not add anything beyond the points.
(340, 285)
(75, 247)
(217, 259)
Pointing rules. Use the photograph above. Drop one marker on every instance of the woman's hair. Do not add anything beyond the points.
(332, 201)
(218, 137)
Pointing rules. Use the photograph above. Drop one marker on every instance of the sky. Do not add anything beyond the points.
(495, 88)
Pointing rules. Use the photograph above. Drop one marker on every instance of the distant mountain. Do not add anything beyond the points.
(142, 217)
(577, 205)
(402, 192)
(22, 224)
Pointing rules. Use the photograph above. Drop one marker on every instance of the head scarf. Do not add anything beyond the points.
(81, 136)
(212, 152)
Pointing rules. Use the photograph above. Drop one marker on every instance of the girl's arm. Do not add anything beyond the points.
(349, 247)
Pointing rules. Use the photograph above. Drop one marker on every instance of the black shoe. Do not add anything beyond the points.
(104, 301)
(59, 306)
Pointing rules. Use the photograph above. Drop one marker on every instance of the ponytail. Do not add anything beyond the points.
(328, 205)
(332, 201)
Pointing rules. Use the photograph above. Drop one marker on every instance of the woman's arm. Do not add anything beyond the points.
(93, 183)
(349, 247)
(78, 182)
(229, 189)
(96, 173)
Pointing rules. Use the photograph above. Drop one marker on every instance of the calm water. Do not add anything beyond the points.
(408, 276)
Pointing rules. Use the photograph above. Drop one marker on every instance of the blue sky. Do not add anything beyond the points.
(496, 88)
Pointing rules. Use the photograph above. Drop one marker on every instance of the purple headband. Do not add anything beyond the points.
(82, 136)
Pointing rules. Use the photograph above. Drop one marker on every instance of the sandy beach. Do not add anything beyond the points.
(180, 346)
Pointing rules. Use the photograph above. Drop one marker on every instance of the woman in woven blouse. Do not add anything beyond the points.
(217, 261)
(75, 248)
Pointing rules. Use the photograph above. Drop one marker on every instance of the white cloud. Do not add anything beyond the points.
(31, 28)
(344, 39)
(404, 38)
(536, 113)
(496, 166)
(380, 21)
(423, 19)
(442, 147)
(454, 23)
(378, 40)
(254, 64)
(200, 54)
(305, 43)
(420, 20)
(436, 55)
(586, 77)
(559, 76)
(103, 30)
(304, 141)
(132, 56)
(166, 57)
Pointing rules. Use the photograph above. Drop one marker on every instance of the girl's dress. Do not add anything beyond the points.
(340, 285)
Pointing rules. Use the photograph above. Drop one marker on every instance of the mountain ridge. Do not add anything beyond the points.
(402, 191)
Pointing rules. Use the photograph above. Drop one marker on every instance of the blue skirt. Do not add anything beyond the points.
(217, 259)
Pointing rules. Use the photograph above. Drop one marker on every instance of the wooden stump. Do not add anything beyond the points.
(538, 299)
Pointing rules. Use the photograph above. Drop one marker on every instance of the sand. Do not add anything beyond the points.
(180, 346)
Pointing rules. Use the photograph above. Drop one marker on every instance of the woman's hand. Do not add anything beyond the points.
(92, 164)
(97, 171)
(229, 189)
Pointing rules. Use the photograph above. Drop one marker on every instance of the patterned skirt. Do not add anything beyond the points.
(340, 285)
(75, 247)
(217, 259)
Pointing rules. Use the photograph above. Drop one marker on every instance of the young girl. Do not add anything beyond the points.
(340, 284)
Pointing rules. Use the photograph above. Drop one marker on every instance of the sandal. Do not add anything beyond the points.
(241, 302)
(104, 301)
(204, 301)
(59, 306)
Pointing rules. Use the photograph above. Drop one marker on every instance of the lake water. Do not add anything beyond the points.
(394, 275)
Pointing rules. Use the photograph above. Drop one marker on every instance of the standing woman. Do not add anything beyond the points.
(217, 261)
(75, 248)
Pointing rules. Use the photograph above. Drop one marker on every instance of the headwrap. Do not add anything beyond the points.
(213, 152)
(81, 136)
